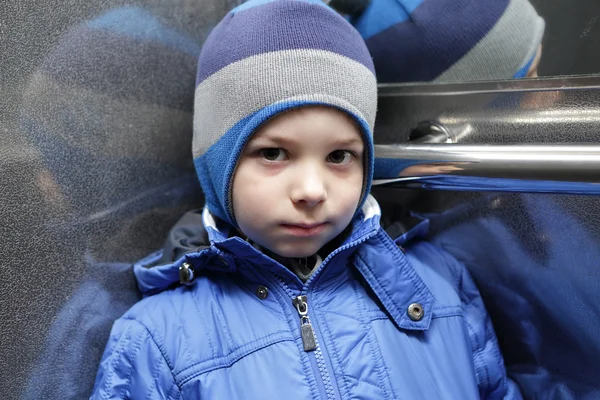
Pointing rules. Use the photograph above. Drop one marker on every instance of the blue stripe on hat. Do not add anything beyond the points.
(425, 42)
(521, 73)
(216, 166)
(383, 14)
(279, 25)
(137, 23)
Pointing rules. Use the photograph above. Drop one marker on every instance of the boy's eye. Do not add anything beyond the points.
(273, 154)
(340, 157)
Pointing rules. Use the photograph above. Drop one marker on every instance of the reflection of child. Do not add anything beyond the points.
(84, 110)
(301, 294)
(448, 40)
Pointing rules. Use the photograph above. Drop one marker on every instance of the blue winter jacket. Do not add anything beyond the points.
(387, 323)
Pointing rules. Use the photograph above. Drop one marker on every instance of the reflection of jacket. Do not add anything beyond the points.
(536, 260)
(74, 343)
(235, 333)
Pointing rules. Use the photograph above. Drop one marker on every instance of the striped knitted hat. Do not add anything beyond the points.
(450, 40)
(266, 57)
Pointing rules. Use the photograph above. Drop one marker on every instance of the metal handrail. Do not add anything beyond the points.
(561, 168)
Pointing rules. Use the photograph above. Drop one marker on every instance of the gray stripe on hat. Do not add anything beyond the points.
(248, 85)
(507, 47)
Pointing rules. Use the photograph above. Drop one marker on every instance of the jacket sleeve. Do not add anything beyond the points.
(133, 367)
(493, 382)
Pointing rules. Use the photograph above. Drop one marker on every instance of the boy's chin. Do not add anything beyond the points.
(296, 251)
(296, 254)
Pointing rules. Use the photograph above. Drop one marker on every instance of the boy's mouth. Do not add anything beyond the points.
(304, 229)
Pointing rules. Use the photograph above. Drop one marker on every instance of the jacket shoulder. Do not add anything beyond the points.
(180, 319)
(133, 365)
(440, 271)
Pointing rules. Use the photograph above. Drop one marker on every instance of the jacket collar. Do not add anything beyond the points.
(395, 282)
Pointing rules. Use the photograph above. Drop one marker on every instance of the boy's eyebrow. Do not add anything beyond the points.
(354, 141)
(281, 140)
(271, 138)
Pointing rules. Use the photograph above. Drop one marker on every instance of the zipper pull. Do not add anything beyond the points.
(306, 330)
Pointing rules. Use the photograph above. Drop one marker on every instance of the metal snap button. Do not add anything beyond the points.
(416, 311)
(262, 292)
(186, 274)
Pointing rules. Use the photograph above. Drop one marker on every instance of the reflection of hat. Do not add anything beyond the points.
(110, 108)
(266, 57)
(450, 40)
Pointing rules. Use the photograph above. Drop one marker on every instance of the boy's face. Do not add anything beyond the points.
(299, 180)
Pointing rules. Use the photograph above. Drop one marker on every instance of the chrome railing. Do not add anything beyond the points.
(560, 168)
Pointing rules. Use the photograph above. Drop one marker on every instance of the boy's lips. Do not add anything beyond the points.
(304, 229)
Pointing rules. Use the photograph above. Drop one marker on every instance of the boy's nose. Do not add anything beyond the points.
(309, 188)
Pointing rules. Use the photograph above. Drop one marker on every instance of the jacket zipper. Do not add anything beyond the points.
(311, 346)
(306, 330)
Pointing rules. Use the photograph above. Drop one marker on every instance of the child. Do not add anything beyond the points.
(300, 294)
